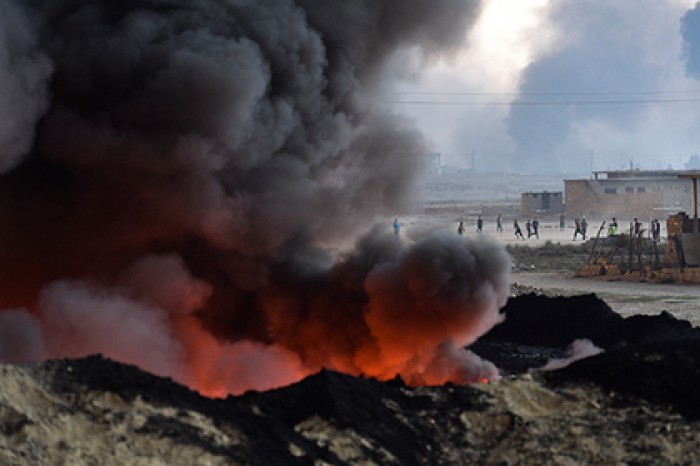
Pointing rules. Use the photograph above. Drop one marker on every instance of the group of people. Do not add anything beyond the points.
(531, 226)
(462, 228)
(636, 228)
(580, 228)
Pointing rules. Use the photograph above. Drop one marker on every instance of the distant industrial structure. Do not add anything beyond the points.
(627, 194)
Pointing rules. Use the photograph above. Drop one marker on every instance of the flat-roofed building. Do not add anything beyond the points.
(626, 194)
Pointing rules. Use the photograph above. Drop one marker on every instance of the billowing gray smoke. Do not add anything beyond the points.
(174, 169)
(690, 29)
(606, 51)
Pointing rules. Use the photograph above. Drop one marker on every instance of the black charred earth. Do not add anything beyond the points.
(635, 403)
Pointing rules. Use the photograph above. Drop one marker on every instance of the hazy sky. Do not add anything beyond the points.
(566, 86)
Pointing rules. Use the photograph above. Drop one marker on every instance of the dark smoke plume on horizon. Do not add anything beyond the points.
(173, 172)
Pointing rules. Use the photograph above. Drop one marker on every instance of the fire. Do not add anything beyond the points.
(407, 315)
(172, 207)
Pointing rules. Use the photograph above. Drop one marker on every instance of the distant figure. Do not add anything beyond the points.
(536, 227)
(636, 227)
(461, 228)
(562, 221)
(577, 229)
(584, 227)
(479, 224)
(499, 223)
(518, 231)
(656, 230)
(612, 228)
(528, 227)
(397, 226)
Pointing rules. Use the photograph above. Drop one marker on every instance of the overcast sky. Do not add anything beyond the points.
(566, 86)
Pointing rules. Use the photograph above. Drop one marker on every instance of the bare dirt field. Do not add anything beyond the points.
(548, 262)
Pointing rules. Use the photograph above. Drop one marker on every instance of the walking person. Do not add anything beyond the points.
(584, 227)
(461, 229)
(562, 221)
(518, 231)
(528, 227)
(636, 227)
(577, 228)
(656, 230)
(479, 224)
(397, 226)
(499, 223)
(536, 227)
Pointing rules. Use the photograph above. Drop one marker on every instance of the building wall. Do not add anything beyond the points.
(627, 198)
(533, 203)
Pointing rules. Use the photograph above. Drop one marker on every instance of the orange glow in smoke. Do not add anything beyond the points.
(217, 369)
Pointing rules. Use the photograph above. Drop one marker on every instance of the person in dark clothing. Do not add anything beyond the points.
(461, 229)
(528, 227)
(536, 228)
(636, 227)
(518, 231)
(577, 229)
(479, 224)
(656, 230)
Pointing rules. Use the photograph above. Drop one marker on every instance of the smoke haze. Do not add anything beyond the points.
(552, 86)
(173, 173)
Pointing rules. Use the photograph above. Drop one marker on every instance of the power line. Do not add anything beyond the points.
(521, 94)
(562, 98)
(545, 102)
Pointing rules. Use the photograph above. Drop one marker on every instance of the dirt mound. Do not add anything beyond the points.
(653, 357)
(555, 322)
(538, 320)
(634, 403)
(96, 411)
(662, 372)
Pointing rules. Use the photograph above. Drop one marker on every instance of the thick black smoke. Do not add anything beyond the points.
(169, 161)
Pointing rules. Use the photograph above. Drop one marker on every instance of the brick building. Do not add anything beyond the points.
(626, 194)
